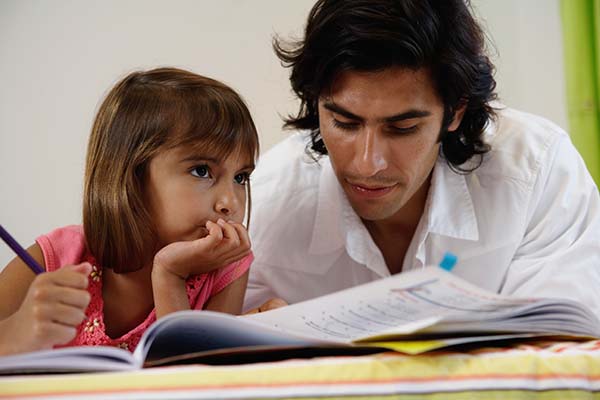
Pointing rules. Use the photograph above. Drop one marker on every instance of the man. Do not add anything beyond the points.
(408, 159)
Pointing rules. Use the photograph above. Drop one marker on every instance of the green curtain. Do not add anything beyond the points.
(581, 39)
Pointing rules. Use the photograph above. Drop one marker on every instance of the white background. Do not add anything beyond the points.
(58, 58)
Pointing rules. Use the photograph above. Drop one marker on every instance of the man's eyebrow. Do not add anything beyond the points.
(393, 118)
(407, 115)
(339, 110)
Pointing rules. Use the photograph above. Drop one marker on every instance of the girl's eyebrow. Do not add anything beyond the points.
(200, 158)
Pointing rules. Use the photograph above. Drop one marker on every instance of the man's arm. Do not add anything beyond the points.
(559, 254)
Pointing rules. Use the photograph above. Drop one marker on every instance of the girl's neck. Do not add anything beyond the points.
(127, 299)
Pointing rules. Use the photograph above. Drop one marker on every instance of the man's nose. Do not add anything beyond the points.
(370, 153)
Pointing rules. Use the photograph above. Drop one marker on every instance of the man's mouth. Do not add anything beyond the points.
(371, 191)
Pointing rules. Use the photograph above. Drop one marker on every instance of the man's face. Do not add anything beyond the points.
(381, 130)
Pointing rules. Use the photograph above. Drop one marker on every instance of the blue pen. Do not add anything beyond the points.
(21, 252)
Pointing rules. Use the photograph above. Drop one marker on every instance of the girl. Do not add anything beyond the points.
(166, 191)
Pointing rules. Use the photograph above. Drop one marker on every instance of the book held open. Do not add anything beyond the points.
(412, 312)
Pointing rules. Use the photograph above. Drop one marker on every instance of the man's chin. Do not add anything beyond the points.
(372, 213)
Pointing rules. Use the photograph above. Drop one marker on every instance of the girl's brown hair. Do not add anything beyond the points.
(146, 112)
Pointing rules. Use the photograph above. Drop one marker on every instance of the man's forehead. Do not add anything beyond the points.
(384, 93)
(403, 74)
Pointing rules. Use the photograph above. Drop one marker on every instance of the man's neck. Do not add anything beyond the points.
(393, 235)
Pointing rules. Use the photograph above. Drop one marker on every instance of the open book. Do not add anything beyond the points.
(412, 312)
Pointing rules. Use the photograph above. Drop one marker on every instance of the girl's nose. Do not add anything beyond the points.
(224, 210)
(226, 203)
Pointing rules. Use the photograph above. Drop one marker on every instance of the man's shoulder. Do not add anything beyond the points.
(285, 198)
(520, 144)
(285, 170)
(518, 127)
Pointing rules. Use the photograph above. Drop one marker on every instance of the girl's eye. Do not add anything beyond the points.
(242, 179)
(201, 171)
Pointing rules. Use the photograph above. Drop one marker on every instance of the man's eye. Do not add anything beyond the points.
(347, 126)
(403, 131)
(201, 171)
(242, 179)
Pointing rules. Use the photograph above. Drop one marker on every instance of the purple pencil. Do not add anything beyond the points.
(21, 252)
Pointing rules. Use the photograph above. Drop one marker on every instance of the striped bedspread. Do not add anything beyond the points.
(544, 370)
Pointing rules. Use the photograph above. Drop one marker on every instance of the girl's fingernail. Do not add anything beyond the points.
(221, 222)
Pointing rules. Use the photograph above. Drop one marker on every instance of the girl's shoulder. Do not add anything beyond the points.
(63, 246)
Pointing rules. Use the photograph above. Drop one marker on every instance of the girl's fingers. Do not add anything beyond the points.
(235, 257)
(71, 297)
(215, 232)
(51, 291)
(238, 245)
(84, 268)
(73, 276)
(242, 234)
(63, 314)
(49, 334)
(229, 233)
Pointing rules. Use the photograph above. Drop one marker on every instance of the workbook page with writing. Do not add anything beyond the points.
(418, 301)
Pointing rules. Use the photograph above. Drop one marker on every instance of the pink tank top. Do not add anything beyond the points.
(66, 246)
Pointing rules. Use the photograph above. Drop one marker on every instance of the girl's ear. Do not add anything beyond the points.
(459, 113)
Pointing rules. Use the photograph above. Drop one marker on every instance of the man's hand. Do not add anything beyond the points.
(268, 305)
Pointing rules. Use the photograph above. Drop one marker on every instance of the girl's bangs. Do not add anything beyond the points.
(218, 126)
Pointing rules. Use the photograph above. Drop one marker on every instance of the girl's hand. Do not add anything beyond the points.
(53, 307)
(225, 243)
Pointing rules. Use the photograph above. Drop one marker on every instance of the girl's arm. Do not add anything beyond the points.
(15, 280)
(169, 292)
(38, 312)
(231, 298)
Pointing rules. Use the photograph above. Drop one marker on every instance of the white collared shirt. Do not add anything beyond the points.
(526, 222)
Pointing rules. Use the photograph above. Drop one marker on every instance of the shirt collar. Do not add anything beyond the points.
(328, 232)
(450, 206)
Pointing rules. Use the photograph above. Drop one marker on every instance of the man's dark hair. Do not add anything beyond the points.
(372, 35)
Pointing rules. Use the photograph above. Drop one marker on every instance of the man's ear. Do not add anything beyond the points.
(459, 113)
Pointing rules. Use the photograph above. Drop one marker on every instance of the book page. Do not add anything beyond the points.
(70, 359)
(194, 331)
(402, 304)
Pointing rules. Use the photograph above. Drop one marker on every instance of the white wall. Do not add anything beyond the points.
(58, 58)
(528, 54)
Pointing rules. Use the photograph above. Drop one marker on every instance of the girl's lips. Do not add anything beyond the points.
(203, 232)
(371, 192)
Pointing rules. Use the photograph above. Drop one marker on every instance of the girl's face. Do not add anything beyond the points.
(185, 189)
